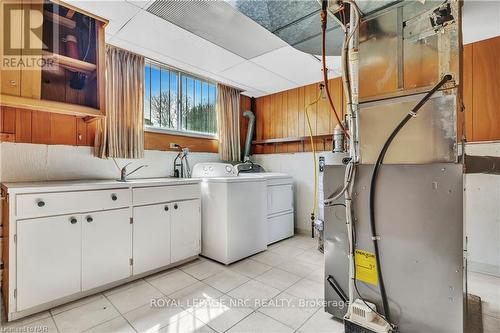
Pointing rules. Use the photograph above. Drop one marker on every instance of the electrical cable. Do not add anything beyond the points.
(323, 16)
(315, 195)
(373, 183)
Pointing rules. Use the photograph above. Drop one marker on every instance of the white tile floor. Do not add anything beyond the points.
(204, 296)
(259, 294)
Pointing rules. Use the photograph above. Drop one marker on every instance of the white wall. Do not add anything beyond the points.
(35, 162)
(481, 20)
(482, 214)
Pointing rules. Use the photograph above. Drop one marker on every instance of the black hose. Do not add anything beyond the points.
(373, 184)
(335, 286)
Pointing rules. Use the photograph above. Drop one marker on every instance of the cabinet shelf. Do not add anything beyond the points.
(69, 63)
(50, 106)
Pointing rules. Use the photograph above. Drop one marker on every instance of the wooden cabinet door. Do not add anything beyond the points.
(151, 246)
(186, 229)
(48, 259)
(485, 90)
(10, 76)
(106, 247)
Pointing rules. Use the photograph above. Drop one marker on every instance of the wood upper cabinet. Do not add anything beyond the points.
(53, 58)
(486, 90)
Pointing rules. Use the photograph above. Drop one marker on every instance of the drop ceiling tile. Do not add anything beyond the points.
(162, 58)
(152, 32)
(255, 76)
(296, 66)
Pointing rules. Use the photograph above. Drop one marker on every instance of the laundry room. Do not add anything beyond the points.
(250, 166)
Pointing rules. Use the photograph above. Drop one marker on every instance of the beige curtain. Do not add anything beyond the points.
(121, 133)
(228, 122)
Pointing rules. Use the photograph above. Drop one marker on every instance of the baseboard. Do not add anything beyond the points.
(479, 267)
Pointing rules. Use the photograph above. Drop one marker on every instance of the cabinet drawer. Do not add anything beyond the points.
(279, 199)
(280, 227)
(45, 204)
(158, 194)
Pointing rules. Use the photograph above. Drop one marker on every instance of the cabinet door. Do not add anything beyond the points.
(106, 247)
(10, 76)
(151, 237)
(186, 229)
(48, 259)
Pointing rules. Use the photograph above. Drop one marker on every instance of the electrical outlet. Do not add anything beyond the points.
(173, 145)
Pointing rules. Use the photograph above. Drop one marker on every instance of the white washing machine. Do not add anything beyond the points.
(234, 212)
(280, 205)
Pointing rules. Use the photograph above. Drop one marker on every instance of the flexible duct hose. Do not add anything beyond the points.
(248, 141)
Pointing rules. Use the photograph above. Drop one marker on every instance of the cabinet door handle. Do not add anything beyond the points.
(40, 203)
(13, 83)
(89, 219)
(73, 220)
(166, 208)
(114, 197)
(176, 206)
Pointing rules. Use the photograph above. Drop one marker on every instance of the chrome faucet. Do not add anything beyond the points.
(124, 174)
(181, 164)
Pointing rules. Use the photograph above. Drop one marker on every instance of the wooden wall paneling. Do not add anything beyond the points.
(467, 96)
(279, 120)
(311, 94)
(292, 119)
(284, 120)
(81, 132)
(302, 116)
(41, 127)
(485, 90)
(259, 124)
(8, 120)
(91, 129)
(66, 129)
(159, 141)
(268, 126)
(23, 126)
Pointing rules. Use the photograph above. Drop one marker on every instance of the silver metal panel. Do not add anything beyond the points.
(419, 220)
(430, 137)
(378, 53)
(402, 52)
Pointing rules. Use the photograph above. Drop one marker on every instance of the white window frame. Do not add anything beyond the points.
(179, 131)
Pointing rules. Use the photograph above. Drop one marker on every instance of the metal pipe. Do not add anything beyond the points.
(248, 141)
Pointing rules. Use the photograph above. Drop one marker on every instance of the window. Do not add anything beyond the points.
(178, 102)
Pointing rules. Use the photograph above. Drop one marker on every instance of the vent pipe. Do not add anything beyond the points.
(248, 141)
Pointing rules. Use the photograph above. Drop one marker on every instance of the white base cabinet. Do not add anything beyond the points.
(56, 252)
(186, 229)
(166, 233)
(151, 237)
(106, 247)
(48, 259)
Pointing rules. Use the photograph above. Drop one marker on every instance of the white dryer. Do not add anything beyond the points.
(234, 212)
(280, 205)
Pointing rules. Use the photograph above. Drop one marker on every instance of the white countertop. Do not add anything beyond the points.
(92, 184)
